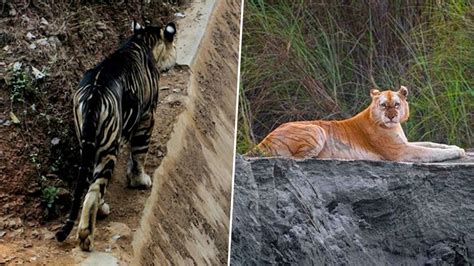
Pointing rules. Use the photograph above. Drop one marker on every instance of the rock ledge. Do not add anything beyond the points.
(326, 212)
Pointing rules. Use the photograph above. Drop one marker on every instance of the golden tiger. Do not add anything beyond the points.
(373, 134)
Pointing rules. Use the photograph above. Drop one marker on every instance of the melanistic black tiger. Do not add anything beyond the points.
(115, 104)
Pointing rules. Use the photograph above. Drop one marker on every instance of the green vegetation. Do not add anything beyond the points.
(21, 85)
(49, 196)
(304, 60)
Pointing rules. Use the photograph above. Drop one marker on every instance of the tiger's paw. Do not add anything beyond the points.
(141, 180)
(103, 211)
(86, 239)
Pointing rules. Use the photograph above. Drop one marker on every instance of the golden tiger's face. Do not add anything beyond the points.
(389, 108)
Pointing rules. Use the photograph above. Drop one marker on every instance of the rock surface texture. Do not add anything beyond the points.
(328, 212)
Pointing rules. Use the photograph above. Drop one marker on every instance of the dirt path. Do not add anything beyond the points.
(190, 201)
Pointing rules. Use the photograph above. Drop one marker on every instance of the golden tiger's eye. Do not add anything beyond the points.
(397, 105)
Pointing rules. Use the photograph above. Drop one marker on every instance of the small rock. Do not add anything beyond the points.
(43, 21)
(14, 223)
(12, 12)
(64, 196)
(176, 90)
(43, 42)
(30, 36)
(120, 230)
(56, 227)
(54, 41)
(48, 235)
(31, 223)
(100, 258)
(99, 35)
(2, 233)
(4, 259)
(101, 25)
(172, 99)
(159, 153)
(27, 245)
(179, 15)
(25, 18)
(32, 46)
(35, 233)
(55, 141)
(18, 232)
(17, 66)
(14, 119)
(38, 74)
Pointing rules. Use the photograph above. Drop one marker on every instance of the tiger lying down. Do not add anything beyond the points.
(114, 105)
(373, 134)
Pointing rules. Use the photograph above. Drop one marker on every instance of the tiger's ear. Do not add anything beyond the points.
(169, 32)
(136, 26)
(374, 92)
(403, 91)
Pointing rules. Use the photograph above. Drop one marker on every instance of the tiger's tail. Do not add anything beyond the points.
(88, 149)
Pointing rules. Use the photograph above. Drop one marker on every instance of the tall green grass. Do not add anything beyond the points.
(306, 60)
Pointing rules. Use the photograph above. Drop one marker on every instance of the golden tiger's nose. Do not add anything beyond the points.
(391, 115)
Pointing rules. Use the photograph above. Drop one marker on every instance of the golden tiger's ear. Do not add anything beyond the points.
(374, 92)
(403, 91)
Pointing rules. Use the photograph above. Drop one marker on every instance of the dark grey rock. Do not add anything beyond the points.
(329, 212)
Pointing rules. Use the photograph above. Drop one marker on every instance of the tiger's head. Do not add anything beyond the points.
(161, 41)
(389, 108)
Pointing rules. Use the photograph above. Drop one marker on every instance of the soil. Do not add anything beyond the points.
(25, 237)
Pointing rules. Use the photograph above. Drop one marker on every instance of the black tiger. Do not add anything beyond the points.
(115, 104)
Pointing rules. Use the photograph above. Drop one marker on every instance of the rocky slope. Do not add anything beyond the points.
(326, 212)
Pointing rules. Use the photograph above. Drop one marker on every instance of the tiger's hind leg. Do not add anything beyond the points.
(94, 204)
(295, 140)
(140, 141)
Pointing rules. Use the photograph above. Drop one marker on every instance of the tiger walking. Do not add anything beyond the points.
(114, 105)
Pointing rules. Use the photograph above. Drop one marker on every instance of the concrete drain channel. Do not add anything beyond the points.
(186, 216)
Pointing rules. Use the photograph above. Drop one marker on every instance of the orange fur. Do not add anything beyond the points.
(373, 134)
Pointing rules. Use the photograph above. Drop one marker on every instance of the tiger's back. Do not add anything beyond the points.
(310, 139)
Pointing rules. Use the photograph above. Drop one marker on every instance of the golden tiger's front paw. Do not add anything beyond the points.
(462, 153)
(86, 239)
